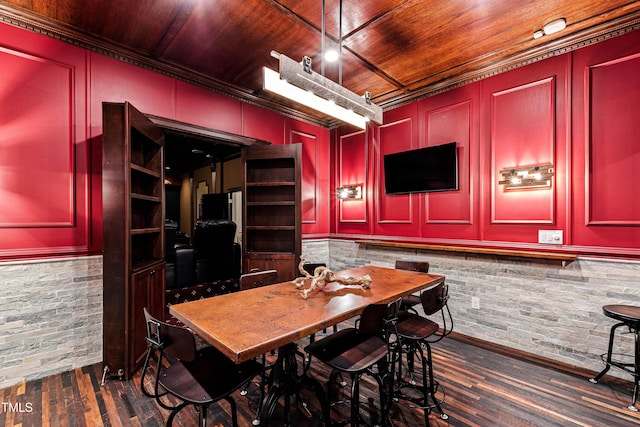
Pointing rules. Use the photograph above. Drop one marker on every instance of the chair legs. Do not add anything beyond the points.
(633, 368)
(429, 387)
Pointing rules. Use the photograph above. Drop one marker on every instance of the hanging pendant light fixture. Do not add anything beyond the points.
(298, 82)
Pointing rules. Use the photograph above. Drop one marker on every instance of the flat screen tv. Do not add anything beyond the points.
(423, 170)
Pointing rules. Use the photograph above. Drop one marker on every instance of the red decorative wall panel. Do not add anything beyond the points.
(613, 195)
(309, 184)
(206, 108)
(353, 168)
(522, 134)
(263, 124)
(606, 198)
(450, 124)
(394, 137)
(37, 159)
(116, 81)
(45, 204)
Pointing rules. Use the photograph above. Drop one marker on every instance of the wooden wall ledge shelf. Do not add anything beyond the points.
(557, 256)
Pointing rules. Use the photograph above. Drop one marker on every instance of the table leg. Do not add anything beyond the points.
(285, 382)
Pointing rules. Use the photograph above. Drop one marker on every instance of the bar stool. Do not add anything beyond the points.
(416, 334)
(629, 316)
(358, 351)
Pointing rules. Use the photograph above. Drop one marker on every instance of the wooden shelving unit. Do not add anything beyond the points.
(272, 209)
(133, 208)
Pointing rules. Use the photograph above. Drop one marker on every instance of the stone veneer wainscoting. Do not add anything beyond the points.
(51, 311)
(50, 317)
(537, 306)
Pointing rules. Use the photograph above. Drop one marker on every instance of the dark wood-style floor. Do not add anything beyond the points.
(483, 388)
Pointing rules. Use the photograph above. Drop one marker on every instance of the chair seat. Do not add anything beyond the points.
(217, 376)
(348, 350)
(625, 313)
(415, 327)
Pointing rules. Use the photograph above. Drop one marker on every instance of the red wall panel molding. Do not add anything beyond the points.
(396, 209)
(309, 182)
(353, 169)
(37, 159)
(522, 134)
(613, 153)
(451, 124)
(525, 121)
(606, 197)
(315, 176)
(45, 165)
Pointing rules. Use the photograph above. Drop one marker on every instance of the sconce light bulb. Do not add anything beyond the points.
(343, 194)
(515, 180)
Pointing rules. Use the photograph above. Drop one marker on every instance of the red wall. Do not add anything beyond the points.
(577, 111)
(50, 140)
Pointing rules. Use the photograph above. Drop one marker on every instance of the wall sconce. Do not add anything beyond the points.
(349, 192)
(529, 177)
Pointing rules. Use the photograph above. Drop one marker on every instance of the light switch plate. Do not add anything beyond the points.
(550, 237)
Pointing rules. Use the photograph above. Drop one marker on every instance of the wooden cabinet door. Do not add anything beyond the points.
(284, 264)
(272, 215)
(147, 290)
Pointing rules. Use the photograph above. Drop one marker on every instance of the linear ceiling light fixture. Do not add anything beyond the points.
(298, 82)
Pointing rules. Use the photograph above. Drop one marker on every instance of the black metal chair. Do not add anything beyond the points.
(629, 316)
(196, 377)
(257, 279)
(410, 301)
(414, 333)
(356, 351)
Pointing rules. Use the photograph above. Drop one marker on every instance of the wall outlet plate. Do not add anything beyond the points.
(550, 237)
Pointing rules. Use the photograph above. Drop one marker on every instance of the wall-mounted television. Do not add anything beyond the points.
(422, 170)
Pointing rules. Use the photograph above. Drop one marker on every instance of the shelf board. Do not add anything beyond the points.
(271, 184)
(144, 170)
(145, 197)
(271, 227)
(281, 203)
(150, 230)
(143, 264)
(558, 256)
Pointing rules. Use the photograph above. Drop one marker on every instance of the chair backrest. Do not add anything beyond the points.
(421, 266)
(170, 340)
(434, 298)
(376, 317)
(258, 279)
(214, 243)
(311, 267)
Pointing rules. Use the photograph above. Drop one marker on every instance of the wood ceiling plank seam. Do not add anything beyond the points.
(178, 22)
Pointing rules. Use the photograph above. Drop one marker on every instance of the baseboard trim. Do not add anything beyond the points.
(525, 356)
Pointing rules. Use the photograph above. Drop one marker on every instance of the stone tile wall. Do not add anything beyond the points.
(51, 311)
(50, 317)
(539, 307)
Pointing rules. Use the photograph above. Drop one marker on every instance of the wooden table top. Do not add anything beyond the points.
(246, 324)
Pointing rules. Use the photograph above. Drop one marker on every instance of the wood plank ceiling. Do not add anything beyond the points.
(399, 50)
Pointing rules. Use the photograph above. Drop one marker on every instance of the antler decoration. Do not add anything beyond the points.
(323, 276)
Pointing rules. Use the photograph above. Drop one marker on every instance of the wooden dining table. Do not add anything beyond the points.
(247, 324)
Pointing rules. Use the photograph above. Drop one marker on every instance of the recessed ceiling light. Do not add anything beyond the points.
(555, 26)
(197, 151)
